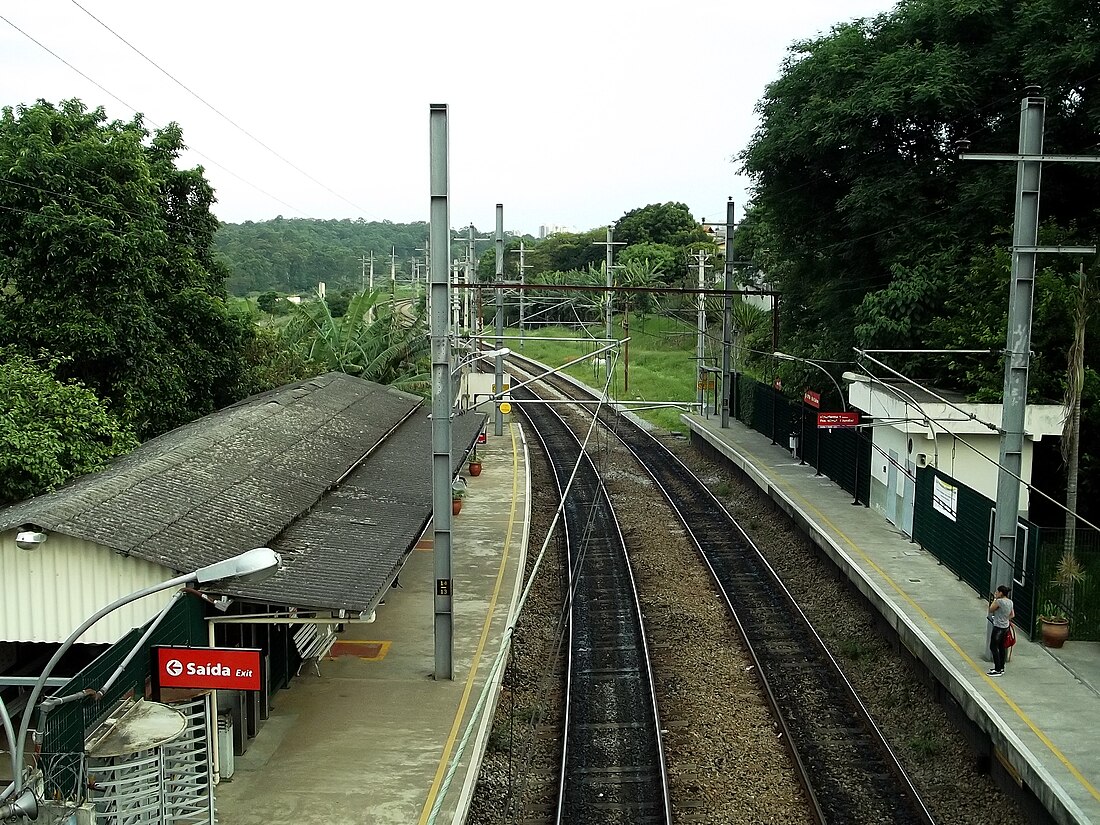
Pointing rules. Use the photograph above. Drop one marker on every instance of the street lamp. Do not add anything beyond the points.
(782, 356)
(251, 566)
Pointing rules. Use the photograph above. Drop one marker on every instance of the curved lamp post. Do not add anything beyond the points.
(251, 566)
(782, 356)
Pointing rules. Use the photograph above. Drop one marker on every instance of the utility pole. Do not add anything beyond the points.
(1025, 235)
(701, 258)
(363, 274)
(523, 267)
(441, 398)
(393, 273)
(610, 244)
(372, 270)
(498, 384)
(727, 318)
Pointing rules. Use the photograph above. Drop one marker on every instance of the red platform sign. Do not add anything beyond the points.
(207, 668)
(812, 398)
(826, 420)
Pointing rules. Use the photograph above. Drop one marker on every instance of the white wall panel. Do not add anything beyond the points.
(47, 592)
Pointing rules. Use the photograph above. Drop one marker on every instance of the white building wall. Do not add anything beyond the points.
(47, 592)
(963, 448)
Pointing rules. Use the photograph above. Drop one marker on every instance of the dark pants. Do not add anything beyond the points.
(997, 647)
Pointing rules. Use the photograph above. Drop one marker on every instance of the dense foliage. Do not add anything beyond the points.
(107, 262)
(50, 429)
(112, 302)
(874, 230)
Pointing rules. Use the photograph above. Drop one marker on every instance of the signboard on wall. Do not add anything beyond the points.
(812, 398)
(945, 498)
(207, 668)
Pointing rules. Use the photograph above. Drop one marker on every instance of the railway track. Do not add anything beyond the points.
(848, 770)
(612, 768)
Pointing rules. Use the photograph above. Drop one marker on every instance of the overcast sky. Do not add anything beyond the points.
(569, 113)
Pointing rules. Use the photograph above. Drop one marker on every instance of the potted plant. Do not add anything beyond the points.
(1053, 624)
(475, 464)
(458, 492)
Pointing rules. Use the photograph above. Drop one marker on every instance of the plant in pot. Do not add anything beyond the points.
(475, 463)
(1053, 624)
(458, 492)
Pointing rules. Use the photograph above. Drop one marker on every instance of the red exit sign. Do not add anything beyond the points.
(837, 419)
(207, 668)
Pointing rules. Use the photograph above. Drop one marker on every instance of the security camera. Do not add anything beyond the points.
(29, 539)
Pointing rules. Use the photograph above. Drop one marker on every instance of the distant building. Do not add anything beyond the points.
(549, 229)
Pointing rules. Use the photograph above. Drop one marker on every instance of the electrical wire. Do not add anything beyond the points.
(153, 123)
(217, 111)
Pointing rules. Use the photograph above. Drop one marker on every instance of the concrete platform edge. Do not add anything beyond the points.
(977, 708)
(480, 740)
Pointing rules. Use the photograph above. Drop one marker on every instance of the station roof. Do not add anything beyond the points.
(334, 472)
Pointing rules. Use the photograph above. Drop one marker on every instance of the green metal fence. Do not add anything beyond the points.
(955, 524)
(843, 454)
(1081, 602)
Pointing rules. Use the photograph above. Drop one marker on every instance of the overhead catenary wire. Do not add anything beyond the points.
(217, 111)
(152, 122)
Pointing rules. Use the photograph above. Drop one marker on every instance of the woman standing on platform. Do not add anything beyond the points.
(1002, 614)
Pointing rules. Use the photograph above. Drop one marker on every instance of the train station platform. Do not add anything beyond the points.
(1042, 718)
(375, 739)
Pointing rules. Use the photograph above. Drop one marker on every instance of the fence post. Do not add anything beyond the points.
(855, 487)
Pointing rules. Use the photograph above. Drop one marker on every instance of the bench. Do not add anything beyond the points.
(313, 642)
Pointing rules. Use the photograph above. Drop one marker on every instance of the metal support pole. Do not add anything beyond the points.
(498, 383)
(727, 316)
(701, 338)
(441, 396)
(608, 308)
(471, 277)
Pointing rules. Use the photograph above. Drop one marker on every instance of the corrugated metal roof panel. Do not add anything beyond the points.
(49, 591)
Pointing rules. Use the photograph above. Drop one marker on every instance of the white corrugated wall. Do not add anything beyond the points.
(47, 592)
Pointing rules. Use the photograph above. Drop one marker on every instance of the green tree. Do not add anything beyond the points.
(864, 218)
(107, 261)
(50, 430)
(660, 223)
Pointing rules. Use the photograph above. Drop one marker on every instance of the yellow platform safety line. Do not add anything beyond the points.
(979, 669)
(468, 689)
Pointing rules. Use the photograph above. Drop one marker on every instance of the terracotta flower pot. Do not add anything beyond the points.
(475, 468)
(456, 506)
(1055, 632)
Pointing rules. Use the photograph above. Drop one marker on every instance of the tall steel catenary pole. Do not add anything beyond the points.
(701, 334)
(727, 316)
(1025, 235)
(523, 267)
(441, 394)
(471, 278)
(608, 309)
(498, 383)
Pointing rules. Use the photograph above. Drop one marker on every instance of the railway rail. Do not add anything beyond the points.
(612, 767)
(848, 770)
